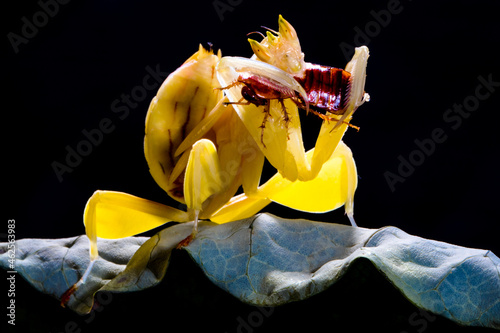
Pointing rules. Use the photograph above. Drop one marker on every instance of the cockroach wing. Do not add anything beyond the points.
(230, 68)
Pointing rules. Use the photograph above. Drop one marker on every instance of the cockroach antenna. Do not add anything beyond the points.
(256, 32)
(269, 29)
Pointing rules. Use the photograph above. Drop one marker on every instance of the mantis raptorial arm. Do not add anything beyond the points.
(282, 142)
(333, 187)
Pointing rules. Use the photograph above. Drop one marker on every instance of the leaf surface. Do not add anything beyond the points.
(269, 261)
(52, 266)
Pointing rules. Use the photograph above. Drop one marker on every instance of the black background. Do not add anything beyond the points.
(424, 59)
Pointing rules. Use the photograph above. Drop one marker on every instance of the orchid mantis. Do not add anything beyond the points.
(203, 143)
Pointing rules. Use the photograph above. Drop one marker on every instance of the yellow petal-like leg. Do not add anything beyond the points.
(345, 153)
(239, 153)
(110, 214)
(252, 170)
(332, 131)
(240, 158)
(202, 178)
(326, 143)
(240, 207)
(333, 187)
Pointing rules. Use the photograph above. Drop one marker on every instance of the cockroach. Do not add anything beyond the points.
(327, 88)
(260, 90)
(320, 90)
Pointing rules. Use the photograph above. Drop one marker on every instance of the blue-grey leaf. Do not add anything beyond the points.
(53, 265)
(130, 264)
(268, 261)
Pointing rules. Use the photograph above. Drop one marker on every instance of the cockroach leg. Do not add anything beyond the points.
(240, 102)
(267, 114)
(235, 83)
(325, 117)
(286, 117)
